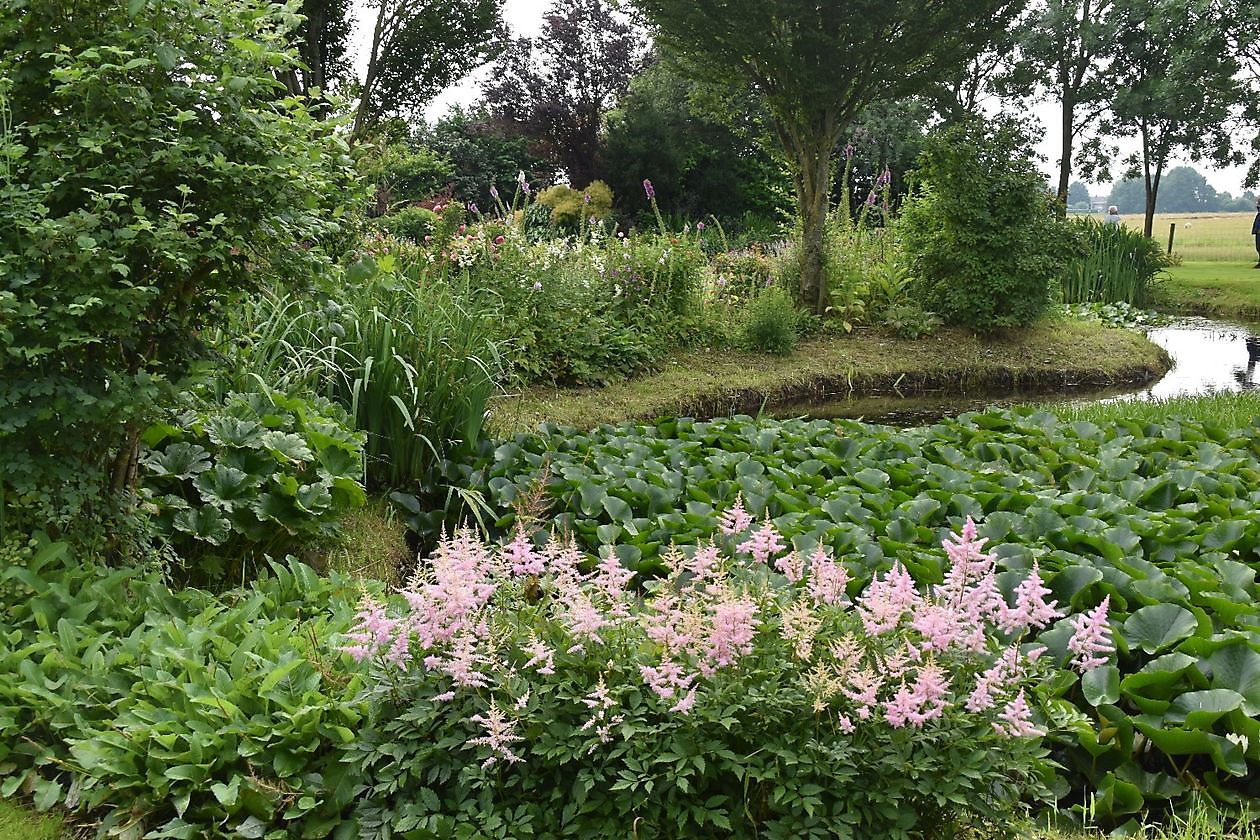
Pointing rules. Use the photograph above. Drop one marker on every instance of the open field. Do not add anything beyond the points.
(1203, 237)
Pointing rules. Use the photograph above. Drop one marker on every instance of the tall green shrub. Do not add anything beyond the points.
(981, 228)
(153, 170)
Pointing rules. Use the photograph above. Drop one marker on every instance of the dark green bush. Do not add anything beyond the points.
(981, 229)
(410, 222)
(261, 475)
(152, 172)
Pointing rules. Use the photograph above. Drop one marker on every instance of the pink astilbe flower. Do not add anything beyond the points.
(1031, 608)
(705, 562)
(466, 666)
(686, 703)
(669, 624)
(763, 543)
(602, 720)
(374, 632)
(845, 724)
(1016, 719)
(541, 657)
(968, 563)
(920, 702)
(519, 555)
(611, 578)
(827, 578)
(579, 615)
(500, 736)
(864, 691)
(668, 680)
(736, 519)
(994, 681)
(791, 566)
(1091, 638)
(940, 626)
(731, 635)
(563, 558)
(886, 600)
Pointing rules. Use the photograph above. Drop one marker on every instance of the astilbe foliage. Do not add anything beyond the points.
(747, 692)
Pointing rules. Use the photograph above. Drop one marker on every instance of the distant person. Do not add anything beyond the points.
(1255, 231)
(1113, 215)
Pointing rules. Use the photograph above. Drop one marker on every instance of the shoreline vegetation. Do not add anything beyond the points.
(1052, 355)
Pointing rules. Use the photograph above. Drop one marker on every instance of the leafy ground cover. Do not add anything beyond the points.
(1157, 516)
(1050, 354)
(1226, 288)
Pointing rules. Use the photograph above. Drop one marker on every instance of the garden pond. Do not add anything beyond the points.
(1208, 356)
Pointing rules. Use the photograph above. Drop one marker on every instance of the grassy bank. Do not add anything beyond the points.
(20, 823)
(1226, 289)
(1229, 411)
(1204, 237)
(1050, 355)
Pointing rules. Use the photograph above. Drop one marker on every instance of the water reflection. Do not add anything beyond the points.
(1208, 357)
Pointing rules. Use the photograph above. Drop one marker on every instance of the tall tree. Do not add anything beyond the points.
(818, 65)
(1178, 86)
(1078, 195)
(1063, 54)
(420, 47)
(321, 39)
(555, 88)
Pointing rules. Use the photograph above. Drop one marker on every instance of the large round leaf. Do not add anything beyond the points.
(1237, 667)
(1159, 626)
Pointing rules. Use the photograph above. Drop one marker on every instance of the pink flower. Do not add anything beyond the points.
(520, 556)
(704, 563)
(1031, 608)
(648, 189)
(731, 636)
(542, 657)
(500, 736)
(1091, 638)
(791, 565)
(686, 704)
(498, 240)
(763, 543)
(736, 520)
(373, 632)
(885, 601)
(827, 578)
(1016, 719)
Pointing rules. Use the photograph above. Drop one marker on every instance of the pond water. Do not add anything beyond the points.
(1208, 357)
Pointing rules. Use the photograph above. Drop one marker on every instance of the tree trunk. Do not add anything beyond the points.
(813, 191)
(1067, 138)
(361, 114)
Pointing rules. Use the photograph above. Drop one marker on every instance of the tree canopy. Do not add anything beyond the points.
(818, 65)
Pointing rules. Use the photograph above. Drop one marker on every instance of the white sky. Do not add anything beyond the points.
(524, 17)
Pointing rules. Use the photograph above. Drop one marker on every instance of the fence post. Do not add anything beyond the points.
(1172, 230)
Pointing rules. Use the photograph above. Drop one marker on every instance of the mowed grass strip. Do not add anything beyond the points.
(1225, 289)
(21, 823)
(1052, 353)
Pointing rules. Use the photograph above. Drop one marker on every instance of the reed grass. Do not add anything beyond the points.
(412, 362)
(1119, 266)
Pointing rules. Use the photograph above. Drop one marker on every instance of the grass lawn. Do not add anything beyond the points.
(1048, 355)
(1230, 289)
(20, 823)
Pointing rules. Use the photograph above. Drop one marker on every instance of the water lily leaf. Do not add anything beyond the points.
(1155, 627)
(1237, 667)
(1200, 709)
(1101, 685)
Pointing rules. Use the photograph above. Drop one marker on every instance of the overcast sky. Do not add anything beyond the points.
(524, 17)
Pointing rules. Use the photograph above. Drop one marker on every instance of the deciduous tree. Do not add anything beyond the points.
(555, 88)
(818, 65)
(420, 47)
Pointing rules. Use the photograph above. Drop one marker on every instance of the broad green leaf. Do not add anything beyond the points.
(1155, 627)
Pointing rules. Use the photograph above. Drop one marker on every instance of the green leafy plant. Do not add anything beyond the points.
(153, 171)
(184, 714)
(260, 476)
(573, 209)
(770, 323)
(1119, 265)
(981, 230)
(746, 693)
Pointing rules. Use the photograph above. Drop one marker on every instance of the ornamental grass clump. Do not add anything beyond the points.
(753, 690)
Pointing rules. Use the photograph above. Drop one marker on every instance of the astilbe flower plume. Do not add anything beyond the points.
(734, 626)
(520, 556)
(1091, 643)
(763, 543)
(827, 578)
(736, 519)
(1031, 608)
(887, 600)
